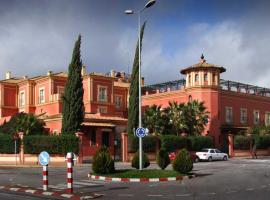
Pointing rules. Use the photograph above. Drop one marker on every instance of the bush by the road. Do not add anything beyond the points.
(241, 142)
(173, 142)
(136, 161)
(102, 162)
(7, 144)
(163, 159)
(263, 141)
(183, 162)
(200, 142)
(62, 144)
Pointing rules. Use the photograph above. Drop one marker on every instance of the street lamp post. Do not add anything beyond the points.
(147, 5)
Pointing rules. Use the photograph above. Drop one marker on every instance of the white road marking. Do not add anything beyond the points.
(1, 187)
(14, 189)
(83, 183)
(183, 195)
(155, 195)
(249, 189)
(47, 193)
(66, 195)
(30, 191)
(209, 193)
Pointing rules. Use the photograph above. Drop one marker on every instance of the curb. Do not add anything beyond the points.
(39, 192)
(110, 179)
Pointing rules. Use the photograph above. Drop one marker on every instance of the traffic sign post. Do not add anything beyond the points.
(15, 138)
(140, 133)
(44, 159)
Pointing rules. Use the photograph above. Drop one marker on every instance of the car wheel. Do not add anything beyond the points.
(209, 159)
(196, 160)
(225, 158)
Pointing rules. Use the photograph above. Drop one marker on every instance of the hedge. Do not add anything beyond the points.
(173, 142)
(149, 144)
(7, 144)
(200, 142)
(241, 142)
(35, 144)
(262, 142)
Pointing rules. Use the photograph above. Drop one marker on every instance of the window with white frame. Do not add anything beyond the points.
(243, 115)
(229, 115)
(267, 119)
(41, 95)
(118, 101)
(196, 77)
(256, 117)
(21, 98)
(102, 94)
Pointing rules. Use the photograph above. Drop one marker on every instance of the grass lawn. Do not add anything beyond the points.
(151, 173)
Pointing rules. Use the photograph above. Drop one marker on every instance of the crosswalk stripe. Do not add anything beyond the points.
(82, 183)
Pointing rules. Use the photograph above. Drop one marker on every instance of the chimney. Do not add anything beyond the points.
(25, 77)
(49, 73)
(83, 70)
(112, 73)
(8, 75)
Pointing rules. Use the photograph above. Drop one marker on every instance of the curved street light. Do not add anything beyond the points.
(130, 12)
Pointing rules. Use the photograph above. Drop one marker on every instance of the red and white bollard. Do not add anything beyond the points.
(70, 172)
(45, 178)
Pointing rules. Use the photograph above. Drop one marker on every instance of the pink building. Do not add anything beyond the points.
(233, 106)
(105, 101)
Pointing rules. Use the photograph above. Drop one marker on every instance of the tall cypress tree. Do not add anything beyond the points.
(133, 110)
(73, 108)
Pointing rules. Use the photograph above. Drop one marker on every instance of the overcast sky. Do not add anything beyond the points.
(38, 35)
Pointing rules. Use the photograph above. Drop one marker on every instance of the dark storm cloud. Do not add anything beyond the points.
(36, 36)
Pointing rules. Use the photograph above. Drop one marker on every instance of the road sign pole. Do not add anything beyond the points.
(140, 152)
(45, 178)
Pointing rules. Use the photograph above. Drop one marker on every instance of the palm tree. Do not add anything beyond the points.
(196, 116)
(153, 120)
(175, 113)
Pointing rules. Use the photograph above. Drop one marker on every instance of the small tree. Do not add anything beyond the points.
(73, 108)
(183, 162)
(102, 162)
(163, 159)
(136, 161)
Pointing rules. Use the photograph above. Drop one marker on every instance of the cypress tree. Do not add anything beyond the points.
(133, 110)
(73, 108)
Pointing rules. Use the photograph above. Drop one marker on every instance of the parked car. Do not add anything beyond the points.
(212, 154)
(193, 155)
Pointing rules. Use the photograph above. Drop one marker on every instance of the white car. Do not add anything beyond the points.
(211, 154)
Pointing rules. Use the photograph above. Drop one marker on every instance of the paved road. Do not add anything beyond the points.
(234, 179)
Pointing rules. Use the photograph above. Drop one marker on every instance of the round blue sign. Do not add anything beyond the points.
(44, 158)
(140, 132)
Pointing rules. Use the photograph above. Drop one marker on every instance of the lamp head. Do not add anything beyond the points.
(150, 3)
(129, 12)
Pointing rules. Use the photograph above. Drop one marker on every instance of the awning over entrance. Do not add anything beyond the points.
(99, 124)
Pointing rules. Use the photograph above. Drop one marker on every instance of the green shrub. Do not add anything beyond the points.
(7, 144)
(62, 144)
(241, 142)
(172, 143)
(102, 162)
(183, 162)
(149, 143)
(136, 161)
(163, 159)
(262, 142)
(200, 142)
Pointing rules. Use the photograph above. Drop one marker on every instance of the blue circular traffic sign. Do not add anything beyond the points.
(44, 158)
(140, 132)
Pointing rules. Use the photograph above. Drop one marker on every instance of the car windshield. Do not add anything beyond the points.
(204, 150)
(218, 151)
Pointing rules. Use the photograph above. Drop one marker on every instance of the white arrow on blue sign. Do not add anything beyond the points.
(44, 158)
(140, 132)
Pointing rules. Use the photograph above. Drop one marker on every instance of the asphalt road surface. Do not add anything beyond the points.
(234, 179)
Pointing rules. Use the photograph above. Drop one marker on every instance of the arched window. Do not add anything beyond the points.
(205, 77)
(214, 78)
(196, 77)
(189, 78)
(190, 98)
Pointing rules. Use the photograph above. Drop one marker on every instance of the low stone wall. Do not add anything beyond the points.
(247, 153)
(30, 159)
